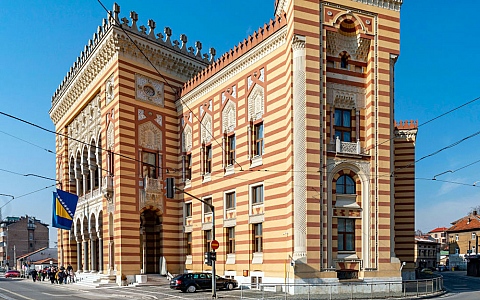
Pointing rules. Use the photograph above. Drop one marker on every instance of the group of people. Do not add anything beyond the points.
(54, 274)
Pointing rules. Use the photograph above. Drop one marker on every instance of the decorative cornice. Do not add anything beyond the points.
(406, 130)
(110, 39)
(268, 37)
(220, 76)
(387, 4)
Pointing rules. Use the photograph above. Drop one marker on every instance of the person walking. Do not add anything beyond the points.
(34, 274)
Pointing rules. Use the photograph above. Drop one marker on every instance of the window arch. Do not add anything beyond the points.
(345, 185)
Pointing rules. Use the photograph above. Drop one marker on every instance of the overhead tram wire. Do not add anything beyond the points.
(36, 191)
(433, 119)
(49, 151)
(436, 152)
(166, 81)
(76, 140)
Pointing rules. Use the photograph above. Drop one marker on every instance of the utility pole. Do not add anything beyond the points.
(170, 187)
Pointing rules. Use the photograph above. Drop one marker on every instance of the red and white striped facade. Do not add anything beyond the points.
(257, 133)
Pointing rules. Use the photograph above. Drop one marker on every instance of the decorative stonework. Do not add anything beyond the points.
(206, 130)
(198, 91)
(149, 90)
(387, 4)
(187, 139)
(85, 128)
(229, 117)
(109, 42)
(356, 47)
(159, 120)
(256, 103)
(109, 89)
(110, 136)
(345, 96)
(150, 136)
(141, 115)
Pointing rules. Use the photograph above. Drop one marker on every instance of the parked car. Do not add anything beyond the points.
(191, 282)
(12, 273)
(426, 271)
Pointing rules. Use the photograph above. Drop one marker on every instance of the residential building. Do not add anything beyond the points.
(463, 235)
(440, 236)
(19, 236)
(290, 136)
(427, 252)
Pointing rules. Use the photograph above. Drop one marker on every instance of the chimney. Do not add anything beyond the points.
(474, 212)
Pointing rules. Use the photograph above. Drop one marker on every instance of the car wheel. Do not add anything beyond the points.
(191, 289)
(230, 286)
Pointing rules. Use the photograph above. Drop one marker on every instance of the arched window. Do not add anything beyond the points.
(344, 61)
(345, 185)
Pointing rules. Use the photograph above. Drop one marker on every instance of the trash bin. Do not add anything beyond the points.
(453, 268)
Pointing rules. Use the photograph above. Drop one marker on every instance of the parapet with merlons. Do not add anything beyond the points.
(406, 129)
(188, 60)
(243, 47)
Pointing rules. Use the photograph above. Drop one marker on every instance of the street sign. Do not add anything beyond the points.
(215, 244)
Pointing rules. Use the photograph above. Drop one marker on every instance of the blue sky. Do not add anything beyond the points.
(435, 73)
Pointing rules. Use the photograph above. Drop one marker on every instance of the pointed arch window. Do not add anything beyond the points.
(345, 185)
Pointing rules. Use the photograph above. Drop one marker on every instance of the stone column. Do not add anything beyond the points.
(93, 252)
(79, 255)
(299, 148)
(100, 255)
(85, 254)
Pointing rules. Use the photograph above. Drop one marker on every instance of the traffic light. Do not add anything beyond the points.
(170, 187)
(213, 256)
(208, 260)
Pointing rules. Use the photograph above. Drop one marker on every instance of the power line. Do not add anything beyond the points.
(436, 152)
(163, 77)
(49, 151)
(47, 187)
(431, 120)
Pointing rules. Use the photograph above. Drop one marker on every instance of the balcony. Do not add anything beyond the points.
(347, 147)
(107, 187)
(151, 194)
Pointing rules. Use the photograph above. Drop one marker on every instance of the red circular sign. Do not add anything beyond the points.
(215, 244)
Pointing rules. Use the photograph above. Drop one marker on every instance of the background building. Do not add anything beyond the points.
(290, 136)
(427, 252)
(19, 236)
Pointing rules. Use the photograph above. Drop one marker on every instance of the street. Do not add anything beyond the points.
(457, 284)
(461, 286)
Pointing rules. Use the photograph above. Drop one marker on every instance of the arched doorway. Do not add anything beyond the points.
(150, 241)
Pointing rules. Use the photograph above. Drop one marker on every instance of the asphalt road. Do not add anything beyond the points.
(458, 286)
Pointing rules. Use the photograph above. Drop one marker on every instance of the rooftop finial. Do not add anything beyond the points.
(151, 24)
(184, 40)
(168, 33)
(116, 12)
(134, 17)
(212, 54)
(198, 45)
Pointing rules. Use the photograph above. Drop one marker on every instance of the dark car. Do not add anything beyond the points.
(191, 282)
(12, 273)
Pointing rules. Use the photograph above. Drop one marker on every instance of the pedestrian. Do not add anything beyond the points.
(51, 275)
(71, 276)
(34, 275)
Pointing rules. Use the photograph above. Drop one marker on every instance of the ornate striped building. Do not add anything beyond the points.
(290, 135)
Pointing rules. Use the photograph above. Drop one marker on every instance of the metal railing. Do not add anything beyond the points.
(342, 290)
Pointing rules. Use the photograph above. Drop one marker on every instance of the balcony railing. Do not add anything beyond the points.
(347, 147)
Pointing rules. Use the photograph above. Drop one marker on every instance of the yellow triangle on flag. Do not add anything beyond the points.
(60, 211)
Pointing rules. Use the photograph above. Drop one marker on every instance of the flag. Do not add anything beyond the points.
(64, 206)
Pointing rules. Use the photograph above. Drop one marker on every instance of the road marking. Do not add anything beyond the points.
(21, 296)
